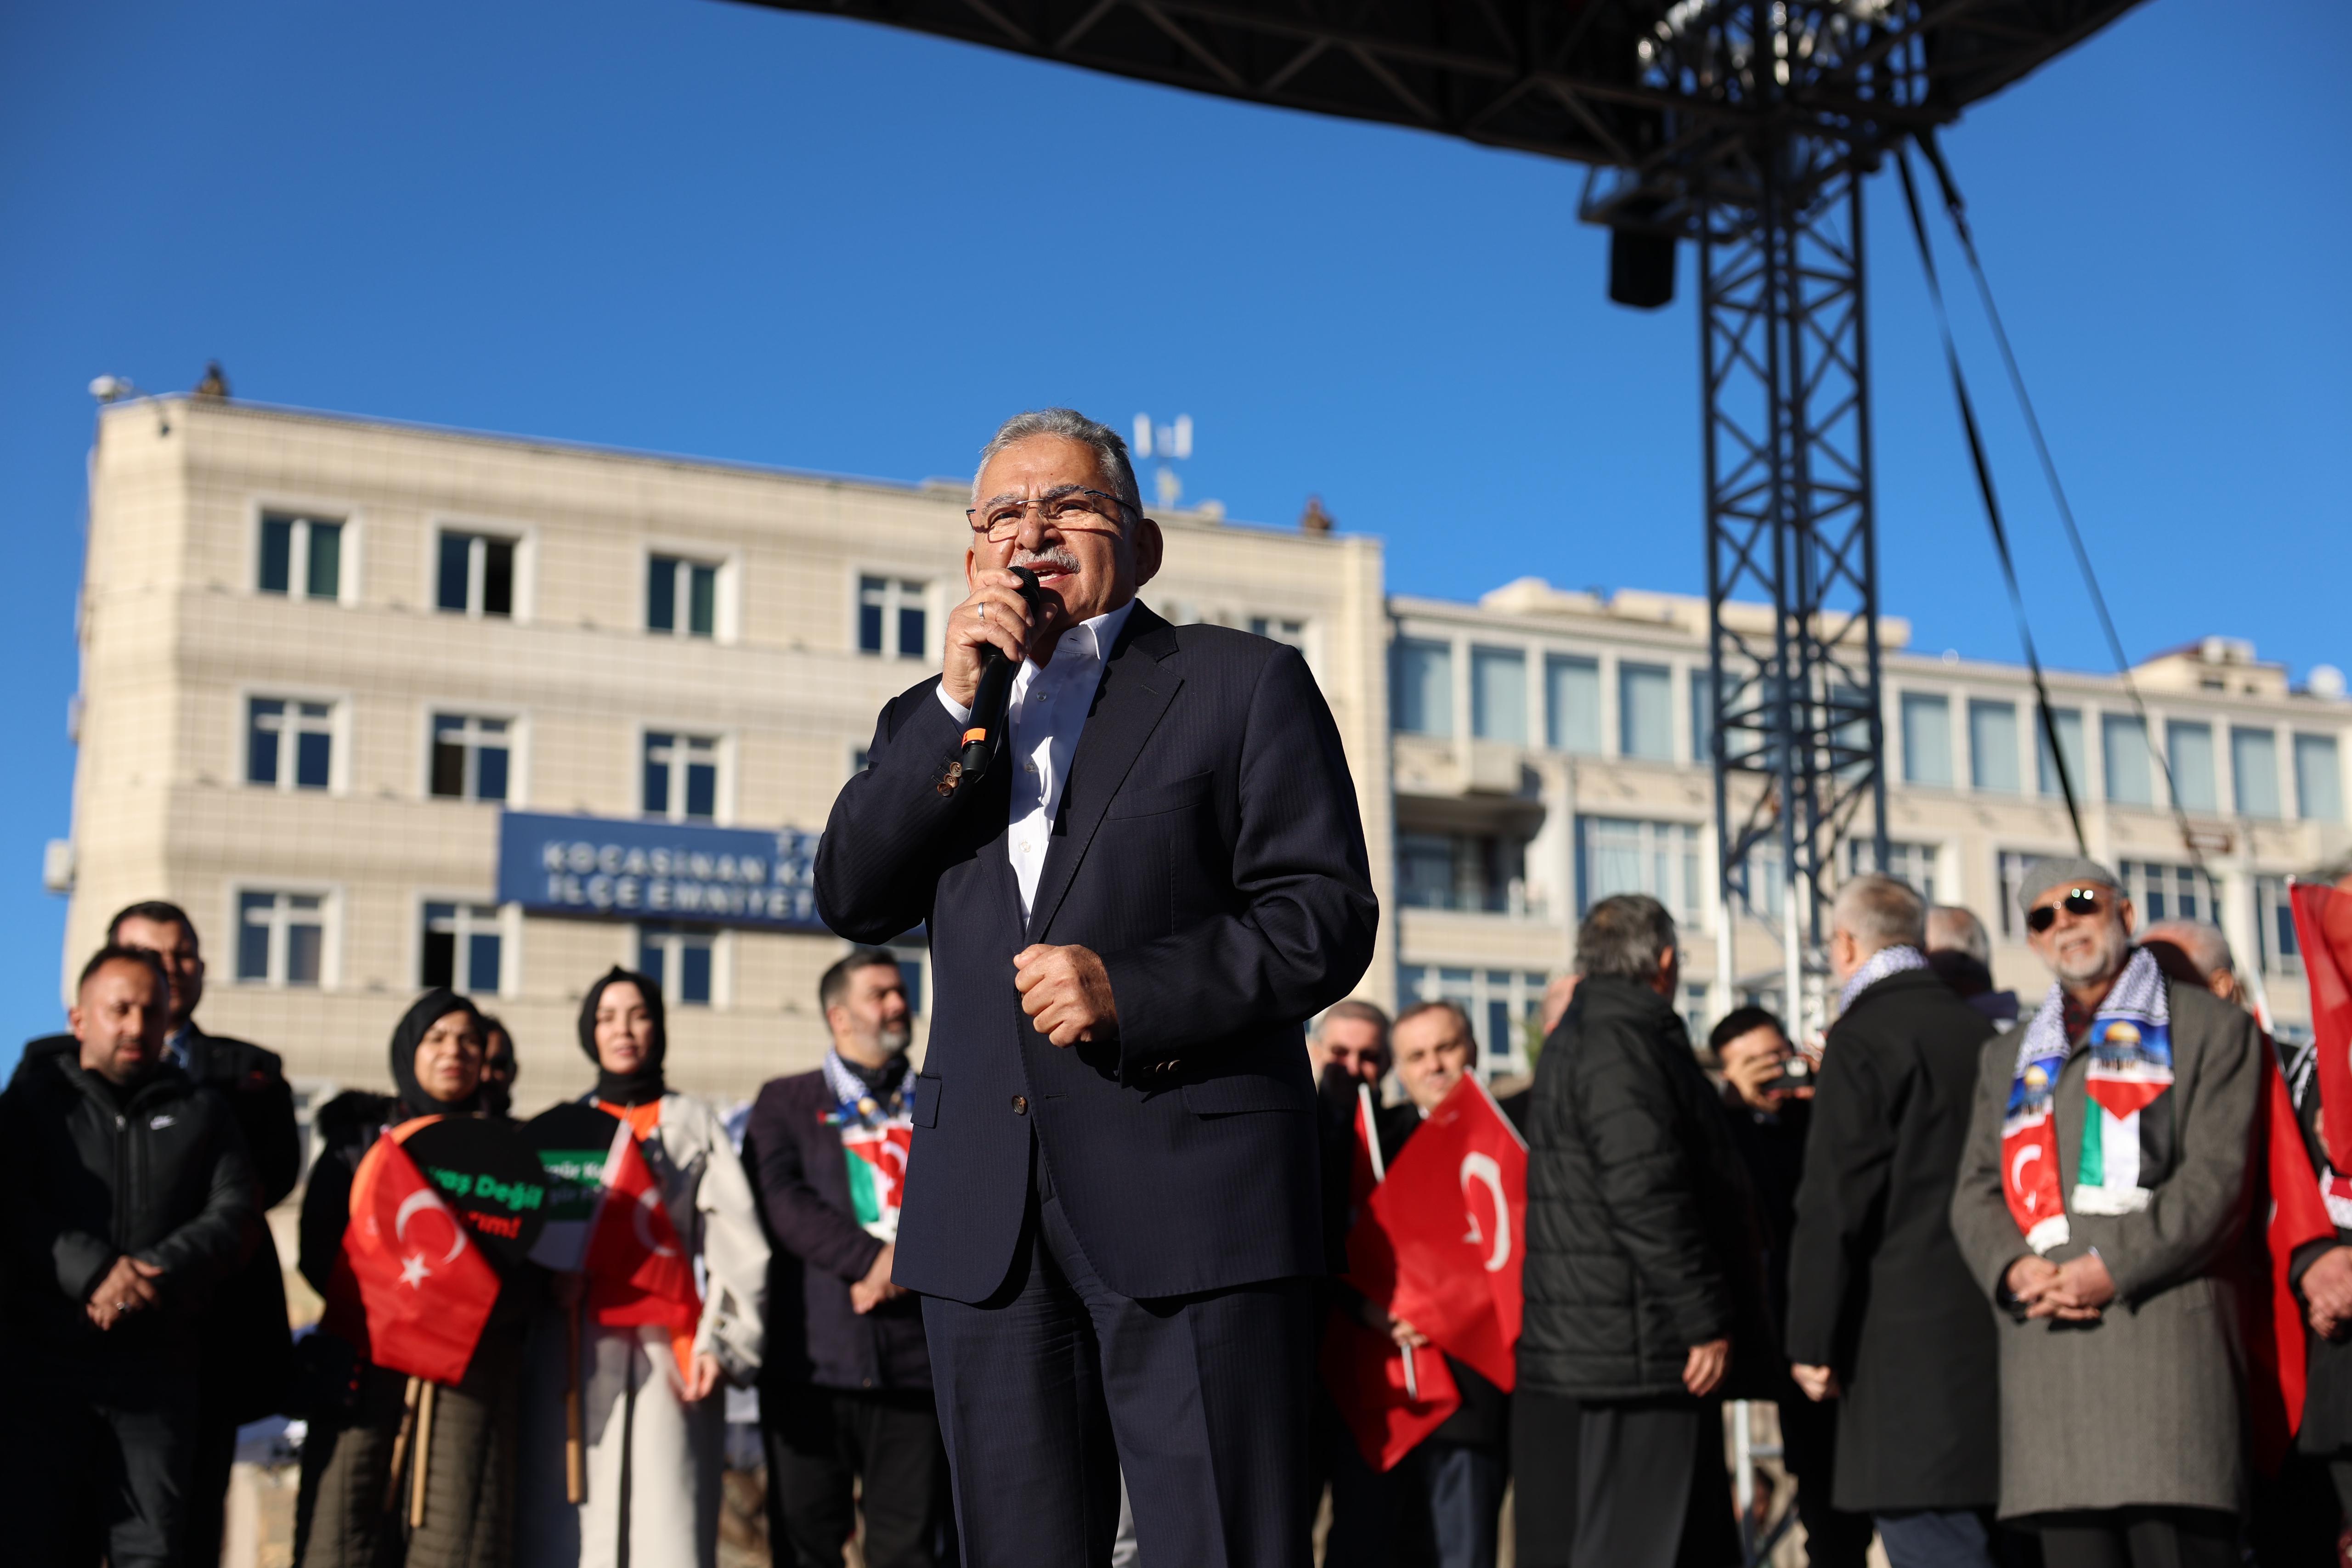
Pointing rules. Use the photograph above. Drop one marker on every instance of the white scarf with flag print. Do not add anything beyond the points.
(2130, 1041)
(877, 1135)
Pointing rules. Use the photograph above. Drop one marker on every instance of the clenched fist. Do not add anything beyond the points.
(1066, 992)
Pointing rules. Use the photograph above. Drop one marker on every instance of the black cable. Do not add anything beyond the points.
(1992, 505)
(1957, 210)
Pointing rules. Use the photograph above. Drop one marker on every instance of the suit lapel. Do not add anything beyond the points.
(1139, 682)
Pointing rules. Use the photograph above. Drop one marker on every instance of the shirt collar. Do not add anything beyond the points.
(1096, 636)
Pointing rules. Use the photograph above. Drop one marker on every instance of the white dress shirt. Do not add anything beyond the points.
(1047, 713)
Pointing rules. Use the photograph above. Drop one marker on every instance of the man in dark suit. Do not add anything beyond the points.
(1113, 1210)
(246, 1351)
(1883, 1316)
(845, 1382)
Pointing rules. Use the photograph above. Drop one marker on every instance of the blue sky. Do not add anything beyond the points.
(692, 226)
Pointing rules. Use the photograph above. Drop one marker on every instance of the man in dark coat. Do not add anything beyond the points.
(129, 1203)
(1643, 1272)
(846, 1381)
(1882, 1314)
(1158, 879)
(245, 1352)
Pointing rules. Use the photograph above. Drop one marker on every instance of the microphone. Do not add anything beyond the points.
(995, 692)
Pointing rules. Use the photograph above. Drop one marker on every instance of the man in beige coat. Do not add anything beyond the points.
(2102, 1186)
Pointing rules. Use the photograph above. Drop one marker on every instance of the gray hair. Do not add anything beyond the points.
(2206, 945)
(1881, 911)
(1108, 447)
(1624, 935)
(1354, 1008)
(1952, 929)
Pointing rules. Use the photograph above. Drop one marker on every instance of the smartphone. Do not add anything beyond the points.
(1795, 1073)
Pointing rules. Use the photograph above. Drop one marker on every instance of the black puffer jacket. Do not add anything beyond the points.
(1643, 1236)
(159, 1173)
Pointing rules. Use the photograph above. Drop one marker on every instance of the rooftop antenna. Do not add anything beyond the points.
(1174, 442)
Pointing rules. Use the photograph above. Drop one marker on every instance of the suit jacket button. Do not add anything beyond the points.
(1020, 1104)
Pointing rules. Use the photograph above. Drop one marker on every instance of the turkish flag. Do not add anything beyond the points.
(2272, 1321)
(2323, 934)
(1365, 1374)
(638, 1272)
(1452, 1220)
(410, 1291)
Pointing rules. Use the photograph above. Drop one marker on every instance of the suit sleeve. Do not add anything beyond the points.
(1301, 934)
(800, 1220)
(209, 1247)
(1849, 1152)
(265, 1110)
(1986, 1232)
(2195, 1213)
(886, 842)
(1649, 1185)
(73, 1259)
(325, 1215)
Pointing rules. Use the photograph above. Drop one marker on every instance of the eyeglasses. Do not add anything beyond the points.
(1067, 507)
(2079, 901)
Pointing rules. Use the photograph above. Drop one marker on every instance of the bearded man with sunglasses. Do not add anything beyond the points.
(2102, 1189)
(1111, 1207)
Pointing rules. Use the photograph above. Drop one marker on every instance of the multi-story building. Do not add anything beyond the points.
(386, 706)
(1551, 748)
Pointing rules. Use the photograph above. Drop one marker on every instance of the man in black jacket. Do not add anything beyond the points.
(1883, 1313)
(245, 1349)
(1643, 1272)
(845, 1385)
(130, 1202)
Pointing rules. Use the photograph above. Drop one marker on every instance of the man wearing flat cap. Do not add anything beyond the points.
(2103, 1184)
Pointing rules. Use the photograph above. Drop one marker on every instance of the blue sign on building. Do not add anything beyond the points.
(634, 870)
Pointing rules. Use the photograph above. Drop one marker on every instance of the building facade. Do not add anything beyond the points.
(1551, 748)
(386, 706)
(333, 668)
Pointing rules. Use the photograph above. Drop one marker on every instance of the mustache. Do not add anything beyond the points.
(1059, 557)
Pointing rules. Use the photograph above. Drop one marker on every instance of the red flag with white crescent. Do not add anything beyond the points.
(639, 1271)
(410, 1289)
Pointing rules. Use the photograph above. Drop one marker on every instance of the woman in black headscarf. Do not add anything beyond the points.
(343, 1520)
(654, 1408)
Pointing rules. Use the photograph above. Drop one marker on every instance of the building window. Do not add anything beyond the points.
(1618, 854)
(470, 757)
(2161, 891)
(461, 947)
(1926, 738)
(1425, 687)
(1572, 703)
(2188, 750)
(2122, 748)
(1911, 863)
(681, 597)
(1992, 745)
(1645, 712)
(681, 777)
(2253, 762)
(477, 575)
(679, 959)
(1505, 1007)
(890, 617)
(282, 938)
(301, 555)
(1499, 695)
(289, 743)
(2012, 865)
(1281, 630)
(2274, 927)
(2318, 783)
(2068, 722)
(1473, 871)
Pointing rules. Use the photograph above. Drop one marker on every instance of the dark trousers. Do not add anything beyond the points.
(2298, 1514)
(214, 1454)
(821, 1442)
(2139, 1537)
(1465, 1500)
(1834, 1539)
(97, 1459)
(1052, 1385)
(1937, 1538)
(1621, 1484)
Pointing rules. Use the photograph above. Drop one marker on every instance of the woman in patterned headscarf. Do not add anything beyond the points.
(654, 1420)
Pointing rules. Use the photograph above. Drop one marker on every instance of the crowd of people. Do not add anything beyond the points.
(1990, 1276)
